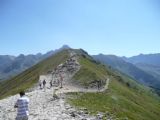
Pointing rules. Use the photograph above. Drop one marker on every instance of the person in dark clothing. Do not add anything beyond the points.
(61, 81)
(44, 83)
(50, 83)
(99, 84)
(40, 84)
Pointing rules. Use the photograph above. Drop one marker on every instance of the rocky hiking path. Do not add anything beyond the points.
(43, 106)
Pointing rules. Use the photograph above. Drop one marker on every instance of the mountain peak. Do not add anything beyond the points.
(105, 87)
(65, 47)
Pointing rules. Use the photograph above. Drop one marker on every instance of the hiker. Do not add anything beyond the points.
(40, 84)
(61, 80)
(51, 84)
(22, 107)
(44, 83)
(99, 84)
(55, 96)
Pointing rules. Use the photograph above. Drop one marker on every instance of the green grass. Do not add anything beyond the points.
(125, 97)
(120, 101)
(29, 77)
(90, 72)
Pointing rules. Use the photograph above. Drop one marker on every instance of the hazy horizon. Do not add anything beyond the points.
(123, 28)
(76, 48)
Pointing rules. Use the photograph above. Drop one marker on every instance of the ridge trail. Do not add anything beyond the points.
(42, 104)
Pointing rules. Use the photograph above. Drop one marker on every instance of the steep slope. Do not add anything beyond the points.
(122, 97)
(91, 71)
(11, 65)
(31, 76)
(130, 69)
(151, 69)
(42, 103)
(121, 101)
(43, 107)
(5, 60)
(19, 64)
(150, 64)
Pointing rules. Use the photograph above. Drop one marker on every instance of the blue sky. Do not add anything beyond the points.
(120, 27)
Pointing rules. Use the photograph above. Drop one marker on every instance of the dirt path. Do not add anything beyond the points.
(42, 104)
(42, 107)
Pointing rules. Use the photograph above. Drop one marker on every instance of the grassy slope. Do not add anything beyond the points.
(125, 97)
(29, 77)
(87, 74)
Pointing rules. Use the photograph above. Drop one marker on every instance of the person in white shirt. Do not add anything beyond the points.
(22, 107)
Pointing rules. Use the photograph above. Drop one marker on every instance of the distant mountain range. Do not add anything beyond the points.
(144, 69)
(12, 65)
(151, 59)
(121, 96)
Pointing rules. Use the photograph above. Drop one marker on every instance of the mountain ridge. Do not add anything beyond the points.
(145, 58)
(137, 73)
(13, 65)
(123, 98)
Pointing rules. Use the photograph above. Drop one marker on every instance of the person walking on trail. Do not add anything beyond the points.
(50, 83)
(61, 81)
(98, 84)
(44, 83)
(40, 84)
(22, 107)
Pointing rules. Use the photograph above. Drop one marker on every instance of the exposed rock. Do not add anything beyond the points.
(100, 116)
(48, 103)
